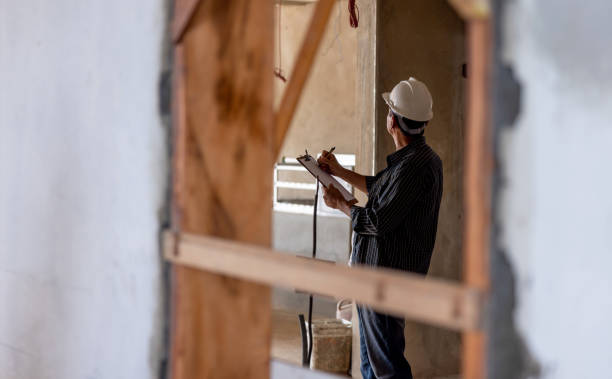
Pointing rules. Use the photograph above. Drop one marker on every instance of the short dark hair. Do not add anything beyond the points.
(411, 124)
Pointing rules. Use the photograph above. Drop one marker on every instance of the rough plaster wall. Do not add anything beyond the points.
(83, 163)
(425, 39)
(326, 114)
(555, 209)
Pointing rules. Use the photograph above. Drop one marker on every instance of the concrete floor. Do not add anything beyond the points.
(286, 336)
(287, 339)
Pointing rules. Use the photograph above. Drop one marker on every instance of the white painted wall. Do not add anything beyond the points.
(83, 173)
(557, 201)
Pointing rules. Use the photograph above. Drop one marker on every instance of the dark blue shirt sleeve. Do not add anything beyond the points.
(392, 205)
(370, 182)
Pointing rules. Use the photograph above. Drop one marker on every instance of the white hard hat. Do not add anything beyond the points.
(410, 99)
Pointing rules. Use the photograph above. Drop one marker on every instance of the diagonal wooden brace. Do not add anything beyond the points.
(301, 70)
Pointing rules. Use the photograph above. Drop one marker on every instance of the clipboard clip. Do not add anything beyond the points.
(306, 156)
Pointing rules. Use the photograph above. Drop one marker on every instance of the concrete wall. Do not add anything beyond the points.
(425, 39)
(553, 208)
(326, 114)
(293, 233)
(83, 163)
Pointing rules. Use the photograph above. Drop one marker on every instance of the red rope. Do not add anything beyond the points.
(279, 74)
(353, 13)
(353, 19)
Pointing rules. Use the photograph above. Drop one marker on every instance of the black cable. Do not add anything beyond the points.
(314, 255)
(309, 329)
(304, 340)
(314, 223)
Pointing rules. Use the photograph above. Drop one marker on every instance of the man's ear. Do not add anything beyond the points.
(395, 124)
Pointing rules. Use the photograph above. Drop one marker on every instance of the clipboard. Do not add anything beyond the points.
(310, 163)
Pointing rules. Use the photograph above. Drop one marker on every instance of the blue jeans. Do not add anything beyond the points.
(382, 345)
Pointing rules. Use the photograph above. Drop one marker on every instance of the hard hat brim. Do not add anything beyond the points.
(387, 98)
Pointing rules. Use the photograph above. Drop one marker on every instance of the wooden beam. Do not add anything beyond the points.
(179, 135)
(472, 9)
(221, 326)
(477, 182)
(433, 301)
(301, 70)
(183, 12)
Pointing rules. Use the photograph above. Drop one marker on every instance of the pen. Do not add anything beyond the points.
(331, 150)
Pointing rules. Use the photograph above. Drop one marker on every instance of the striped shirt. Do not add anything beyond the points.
(397, 227)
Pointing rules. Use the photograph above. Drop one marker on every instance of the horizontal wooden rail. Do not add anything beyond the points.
(429, 300)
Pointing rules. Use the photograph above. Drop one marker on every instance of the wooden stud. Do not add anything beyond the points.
(430, 300)
(477, 182)
(301, 70)
(220, 325)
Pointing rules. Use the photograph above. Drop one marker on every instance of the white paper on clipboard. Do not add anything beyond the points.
(326, 179)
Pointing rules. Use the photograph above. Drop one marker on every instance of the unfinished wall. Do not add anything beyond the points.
(554, 209)
(326, 114)
(425, 39)
(83, 163)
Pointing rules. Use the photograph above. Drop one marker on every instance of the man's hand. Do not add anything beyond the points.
(333, 199)
(328, 163)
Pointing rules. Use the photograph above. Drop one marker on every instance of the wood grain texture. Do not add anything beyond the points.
(434, 301)
(478, 171)
(301, 71)
(221, 325)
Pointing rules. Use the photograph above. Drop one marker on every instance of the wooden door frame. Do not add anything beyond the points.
(458, 306)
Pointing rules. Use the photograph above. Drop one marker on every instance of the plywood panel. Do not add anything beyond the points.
(220, 325)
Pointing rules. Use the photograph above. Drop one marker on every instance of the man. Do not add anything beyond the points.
(397, 227)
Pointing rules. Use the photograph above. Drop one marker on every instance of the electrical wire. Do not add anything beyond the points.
(314, 255)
